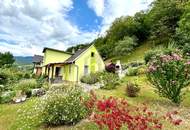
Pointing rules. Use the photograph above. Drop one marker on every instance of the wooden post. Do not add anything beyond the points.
(52, 71)
(45, 70)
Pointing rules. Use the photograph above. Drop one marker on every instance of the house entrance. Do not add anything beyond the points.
(58, 72)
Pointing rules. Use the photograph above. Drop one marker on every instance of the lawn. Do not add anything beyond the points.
(11, 117)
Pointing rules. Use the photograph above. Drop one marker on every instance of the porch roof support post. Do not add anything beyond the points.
(52, 71)
(45, 70)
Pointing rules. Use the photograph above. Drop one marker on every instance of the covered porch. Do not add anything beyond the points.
(54, 72)
(61, 72)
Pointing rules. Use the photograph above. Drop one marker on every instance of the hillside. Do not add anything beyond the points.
(23, 60)
(136, 55)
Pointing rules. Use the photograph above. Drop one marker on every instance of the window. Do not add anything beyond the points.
(86, 70)
(92, 54)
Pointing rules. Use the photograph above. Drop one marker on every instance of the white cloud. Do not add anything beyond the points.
(97, 6)
(34, 24)
(116, 8)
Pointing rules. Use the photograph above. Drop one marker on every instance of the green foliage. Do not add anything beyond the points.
(125, 46)
(186, 50)
(169, 73)
(183, 33)
(132, 71)
(6, 59)
(125, 26)
(26, 76)
(90, 79)
(3, 78)
(63, 105)
(163, 18)
(7, 97)
(41, 81)
(149, 55)
(132, 89)
(26, 85)
(77, 47)
(109, 80)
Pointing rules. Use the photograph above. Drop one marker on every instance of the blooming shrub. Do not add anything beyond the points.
(132, 89)
(90, 79)
(109, 80)
(169, 73)
(64, 105)
(115, 113)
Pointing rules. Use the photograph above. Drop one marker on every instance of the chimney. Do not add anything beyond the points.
(73, 51)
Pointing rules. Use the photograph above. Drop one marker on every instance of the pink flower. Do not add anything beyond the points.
(152, 68)
(188, 63)
(176, 57)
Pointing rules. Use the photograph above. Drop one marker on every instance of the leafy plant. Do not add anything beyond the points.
(109, 80)
(90, 79)
(132, 89)
(26, 85)
(169, 73)
(125, 46)
(132, 71)
(64, 105)
(113, 113)
(7, 97)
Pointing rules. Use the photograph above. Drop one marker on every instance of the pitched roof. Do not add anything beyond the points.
(76, 55)
(46, 48)
(37, 59)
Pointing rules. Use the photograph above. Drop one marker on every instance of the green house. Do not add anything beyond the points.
(60, 65)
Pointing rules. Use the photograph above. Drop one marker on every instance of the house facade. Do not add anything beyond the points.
(60, 65)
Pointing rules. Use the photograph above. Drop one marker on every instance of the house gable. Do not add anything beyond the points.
(89, 61)
(53, 56)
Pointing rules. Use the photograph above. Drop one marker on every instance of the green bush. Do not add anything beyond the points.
(186, 50)
(7, 97)
(3, 78)
(169, 73)
(149, 55)
(63, 105)
(109, 80)
(26, 85)
(142, 70)
(132, 71)
(90, 79)
(132, 89)
(40, 81)
(26, 76)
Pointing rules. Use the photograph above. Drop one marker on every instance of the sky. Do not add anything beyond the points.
(27, 26)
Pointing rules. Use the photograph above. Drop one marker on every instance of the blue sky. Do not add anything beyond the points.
(26, 26)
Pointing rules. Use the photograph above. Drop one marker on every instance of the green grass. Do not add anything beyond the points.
(9, 114)
(137, 55)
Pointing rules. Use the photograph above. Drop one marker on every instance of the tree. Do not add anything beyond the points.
(76, 48)
(125, 46)
(6, 59)
(163, 19)
(183, 31)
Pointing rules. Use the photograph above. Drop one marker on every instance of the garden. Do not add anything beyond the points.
(153, 94)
